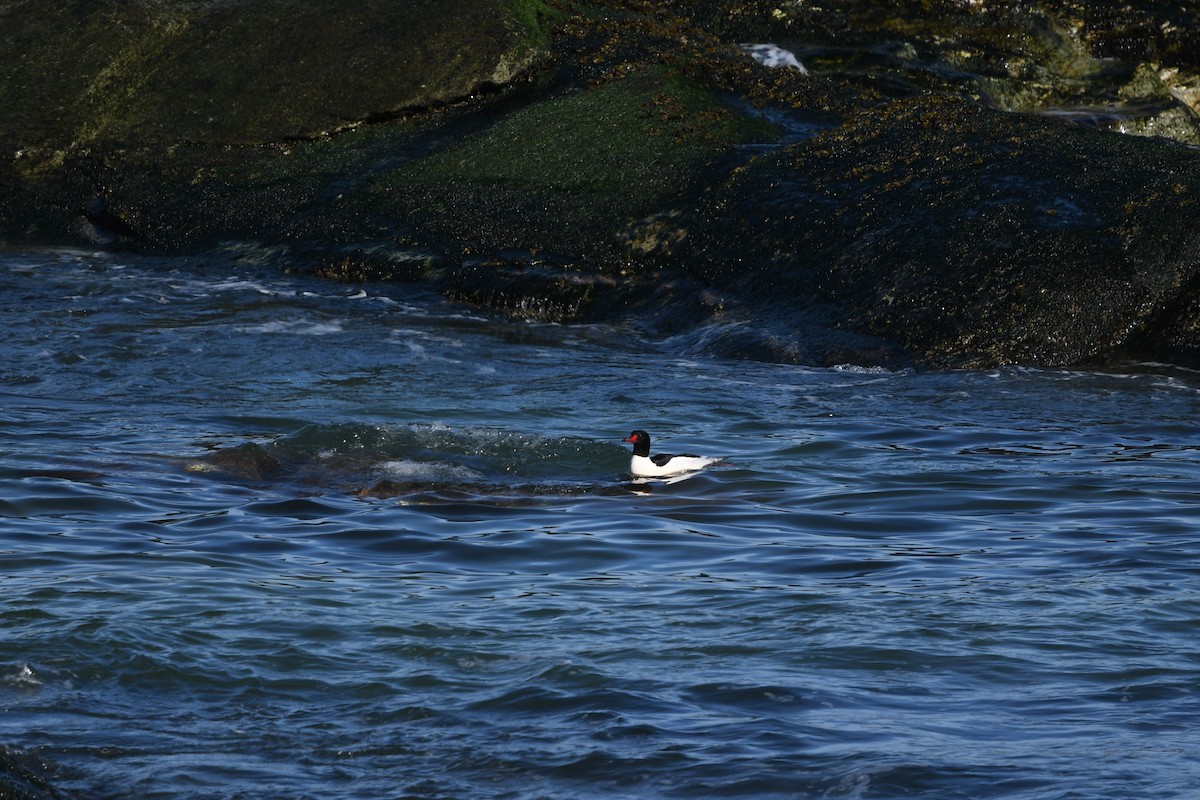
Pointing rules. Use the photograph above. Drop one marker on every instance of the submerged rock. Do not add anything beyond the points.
(248, 461)
(24, 777)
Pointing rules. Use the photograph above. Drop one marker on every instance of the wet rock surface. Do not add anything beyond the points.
(24, 777)
(988, 239)
(944, 184)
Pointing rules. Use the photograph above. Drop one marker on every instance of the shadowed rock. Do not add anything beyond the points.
(24, 777)
(629, 160)
(969, 236)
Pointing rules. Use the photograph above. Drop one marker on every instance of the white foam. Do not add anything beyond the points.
(236, 284)
(406, 335)
(406, 470)
(24, 677)
(298, 327)
(856, 369)
(774, 56)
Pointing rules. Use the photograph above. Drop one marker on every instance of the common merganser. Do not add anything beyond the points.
(644, 465)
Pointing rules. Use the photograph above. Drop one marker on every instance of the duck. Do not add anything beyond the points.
(662, 465)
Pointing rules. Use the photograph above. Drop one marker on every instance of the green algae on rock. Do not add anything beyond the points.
(176, 97)
(583, 160)
(1052, 55)
(575, 168)
(169, 72)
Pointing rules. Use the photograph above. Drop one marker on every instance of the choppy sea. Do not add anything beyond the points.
(263, 536)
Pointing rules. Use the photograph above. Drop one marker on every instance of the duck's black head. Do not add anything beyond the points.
(641, 443)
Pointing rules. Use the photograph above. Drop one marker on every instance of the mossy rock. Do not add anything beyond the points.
(615, 177)
(176, 71)
(569, 172)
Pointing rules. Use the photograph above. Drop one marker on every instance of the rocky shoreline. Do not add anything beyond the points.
(946, 184)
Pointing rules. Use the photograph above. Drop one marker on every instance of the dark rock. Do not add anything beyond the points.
(1062, 56)
(24, 777)
(969, 236)
(199, 99)
(98, 224)
(1139, 30)
(106, 71)
(627, 159)
(247, 461)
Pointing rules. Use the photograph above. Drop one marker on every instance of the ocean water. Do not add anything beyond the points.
(263, 536)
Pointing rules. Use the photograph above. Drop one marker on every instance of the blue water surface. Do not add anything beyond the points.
(263, 536)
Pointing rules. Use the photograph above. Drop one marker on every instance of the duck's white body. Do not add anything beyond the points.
(644, 465)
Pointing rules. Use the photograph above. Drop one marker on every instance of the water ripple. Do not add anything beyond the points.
(323, 562)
